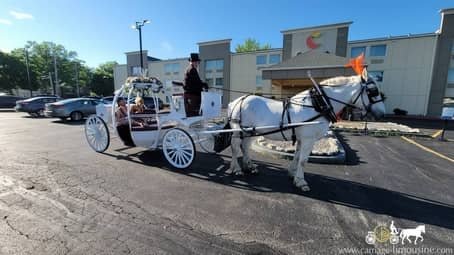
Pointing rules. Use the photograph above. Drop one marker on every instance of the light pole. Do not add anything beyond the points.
(76, 77)
(56, 84)
(28, 71)
(138, 26)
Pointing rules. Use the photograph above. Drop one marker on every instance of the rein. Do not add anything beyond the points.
(324, 108)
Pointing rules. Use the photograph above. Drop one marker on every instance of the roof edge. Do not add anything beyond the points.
(447, 11)
(214, 42)
(303, 68)
(335, 25)
(398, 37)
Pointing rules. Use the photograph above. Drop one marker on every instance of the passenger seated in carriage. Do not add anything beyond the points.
(139, 107)
(121, 117)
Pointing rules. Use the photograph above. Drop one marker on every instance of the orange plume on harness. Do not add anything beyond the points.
(357, 64)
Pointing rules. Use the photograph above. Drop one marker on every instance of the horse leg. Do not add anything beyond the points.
(247, 163)
(293, 165)
(305, 150)
(235, 167)
(417, 237)
(408, 238)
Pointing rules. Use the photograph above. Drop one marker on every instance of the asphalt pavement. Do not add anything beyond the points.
(58, 196)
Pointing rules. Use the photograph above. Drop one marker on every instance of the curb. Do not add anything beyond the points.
(339, 158)
(381, 133)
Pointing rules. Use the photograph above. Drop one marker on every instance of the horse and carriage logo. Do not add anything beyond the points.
(393, 235)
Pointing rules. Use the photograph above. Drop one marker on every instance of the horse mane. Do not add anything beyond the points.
(335, 82)
(341, 80)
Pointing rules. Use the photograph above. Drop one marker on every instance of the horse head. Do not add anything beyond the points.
(421, 228)
(370, 99)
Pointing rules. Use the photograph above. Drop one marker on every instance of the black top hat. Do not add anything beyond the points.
(194, 57)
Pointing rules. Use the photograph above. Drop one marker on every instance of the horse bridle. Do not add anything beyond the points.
(371, 92)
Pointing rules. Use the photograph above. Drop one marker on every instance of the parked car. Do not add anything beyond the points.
(93, 97)
(9, 101)
(35, 105)
(46, 95)
(74, 108)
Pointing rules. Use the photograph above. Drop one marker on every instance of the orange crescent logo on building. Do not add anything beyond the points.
(310, 40)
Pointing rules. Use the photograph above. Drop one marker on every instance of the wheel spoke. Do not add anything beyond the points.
(185, 157)
(173, 156)
(186, 152)
(186, 145)
(177, 159)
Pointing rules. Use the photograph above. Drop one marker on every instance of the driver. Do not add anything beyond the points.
(193, 87)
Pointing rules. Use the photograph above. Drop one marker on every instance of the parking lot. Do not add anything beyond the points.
(57, 196)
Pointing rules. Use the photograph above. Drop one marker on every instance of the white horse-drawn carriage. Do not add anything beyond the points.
(168, 129)
(305, 118)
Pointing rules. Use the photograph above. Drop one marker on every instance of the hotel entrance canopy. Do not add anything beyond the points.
(293, 73)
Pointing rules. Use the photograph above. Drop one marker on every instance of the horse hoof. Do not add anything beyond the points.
(239, 173)
(302, 184)
(255, 171)
(305, 188)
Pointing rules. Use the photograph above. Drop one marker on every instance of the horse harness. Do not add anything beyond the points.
(321, 103)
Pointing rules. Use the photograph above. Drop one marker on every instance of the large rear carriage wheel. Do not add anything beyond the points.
(178, 148)
(97, 133)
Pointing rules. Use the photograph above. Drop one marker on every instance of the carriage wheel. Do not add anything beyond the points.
(178, 148)
(97, 133)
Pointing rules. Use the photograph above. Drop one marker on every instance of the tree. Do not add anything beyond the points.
(12, 73)
(41, 62)
(250, 45)
(102, 82)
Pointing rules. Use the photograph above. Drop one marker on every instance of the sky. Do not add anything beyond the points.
(100, 30)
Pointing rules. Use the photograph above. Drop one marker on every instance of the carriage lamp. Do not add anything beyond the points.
(138, 26)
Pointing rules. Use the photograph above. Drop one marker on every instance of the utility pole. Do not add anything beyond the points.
(28, 72)
(76, 77)
(138, 26)
(140, 40)
(56, 74)
(51, 83)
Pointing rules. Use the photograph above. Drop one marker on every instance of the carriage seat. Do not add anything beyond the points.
(152, 127)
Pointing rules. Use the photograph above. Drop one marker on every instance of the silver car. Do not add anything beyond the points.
(74, 108)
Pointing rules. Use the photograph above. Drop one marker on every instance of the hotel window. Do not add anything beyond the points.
(219, 82)
(258, 81)
(172, 68)
(209, 81)
(356, 51)
(135, 70)
(216, 65)
(377, 75)
(275, 58)
(378, 51)
(451, 76)
(260, 60)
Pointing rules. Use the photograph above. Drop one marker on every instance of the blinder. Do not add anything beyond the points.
(372, 92)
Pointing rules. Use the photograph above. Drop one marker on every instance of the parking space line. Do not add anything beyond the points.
(436, 134)
(427, 149)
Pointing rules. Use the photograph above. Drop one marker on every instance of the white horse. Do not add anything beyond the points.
(254, 111)
(416, 232)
